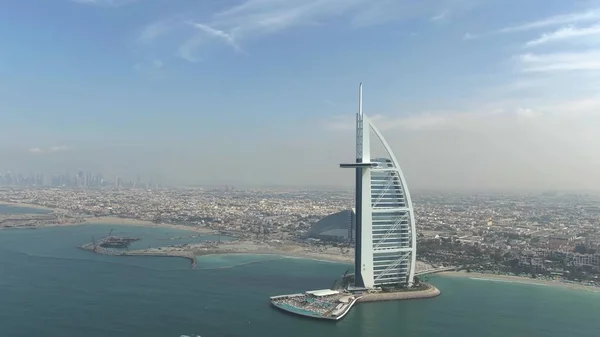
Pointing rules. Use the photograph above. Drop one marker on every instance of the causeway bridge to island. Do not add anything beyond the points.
(434, 270)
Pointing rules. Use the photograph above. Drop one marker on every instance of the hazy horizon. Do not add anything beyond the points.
(470, 95)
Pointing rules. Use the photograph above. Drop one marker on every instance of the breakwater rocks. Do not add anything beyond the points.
(149, 252)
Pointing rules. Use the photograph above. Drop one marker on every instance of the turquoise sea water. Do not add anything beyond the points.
(50, 288)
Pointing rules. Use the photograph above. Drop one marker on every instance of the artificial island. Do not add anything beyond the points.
(383, 228)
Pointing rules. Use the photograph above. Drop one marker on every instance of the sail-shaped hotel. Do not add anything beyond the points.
(385, 223)
(385, 251)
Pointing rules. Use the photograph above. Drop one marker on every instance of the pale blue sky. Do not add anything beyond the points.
(498, 93)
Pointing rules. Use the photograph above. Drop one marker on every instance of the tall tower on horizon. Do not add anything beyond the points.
(386, 241)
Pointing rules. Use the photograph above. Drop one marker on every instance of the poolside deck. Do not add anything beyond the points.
(329, 306)
(335, 305)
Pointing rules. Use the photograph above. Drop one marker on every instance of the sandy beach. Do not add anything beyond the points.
(193, 254)
(48, 225)
(234, 248)
(319, 257)
(16, 204)
(284, 254)
(519, 279)
(250, 247)
(113, 220)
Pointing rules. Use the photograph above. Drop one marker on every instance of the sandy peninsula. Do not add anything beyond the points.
(16, 204)
(50, 220)
(282, 253)
(113, 220)
(520, 279)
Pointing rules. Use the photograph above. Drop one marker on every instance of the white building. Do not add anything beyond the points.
(385, 224)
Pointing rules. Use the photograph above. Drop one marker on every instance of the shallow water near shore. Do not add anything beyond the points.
(49, 287)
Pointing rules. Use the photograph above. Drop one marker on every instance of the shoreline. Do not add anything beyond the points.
(23, 205)
(314, 256)
(115, 220)
(198, 254)
(103, 251)
(191, 255)
(103, 220)
(280, 254)
(519, 280)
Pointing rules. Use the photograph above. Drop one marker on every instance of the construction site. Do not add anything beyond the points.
(114, 241)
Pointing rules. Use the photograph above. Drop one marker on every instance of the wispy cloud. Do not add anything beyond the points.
(58, 148)
(255, 18)
(469, 36)
(37, 150)
(250, 20)
(330, 102)
(187, 50)
(148, 66)
(439, 17)
(528, 113)
(539, 142)
(570, 69)
(421, 121)
(219, 34)
(590, 15)
(154, 30)
(479, 118)
(556, 20)
(589, 60)
(157, 63)
(566, 33)
(106, 3)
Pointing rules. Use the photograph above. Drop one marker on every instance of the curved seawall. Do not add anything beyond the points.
(430, 292)
(103, 251)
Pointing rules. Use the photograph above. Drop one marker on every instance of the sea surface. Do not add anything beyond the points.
(48, 287)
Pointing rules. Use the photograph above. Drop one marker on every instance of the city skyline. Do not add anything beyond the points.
(78, 178)
(189, 90)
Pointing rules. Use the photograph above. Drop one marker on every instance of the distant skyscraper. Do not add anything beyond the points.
(80, 179)
(386, 242)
